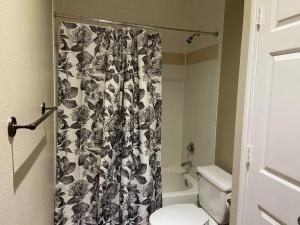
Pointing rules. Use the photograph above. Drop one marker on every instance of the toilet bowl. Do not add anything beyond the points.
(181, 214)
(214, 191)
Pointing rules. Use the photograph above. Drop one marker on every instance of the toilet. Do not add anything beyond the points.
(214, 190)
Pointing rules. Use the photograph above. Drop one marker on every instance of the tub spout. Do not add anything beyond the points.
(190, 163)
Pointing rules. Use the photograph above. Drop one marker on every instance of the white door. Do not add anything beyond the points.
(273, 194)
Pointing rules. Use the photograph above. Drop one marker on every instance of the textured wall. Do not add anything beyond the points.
(26, 162)
(232, 36)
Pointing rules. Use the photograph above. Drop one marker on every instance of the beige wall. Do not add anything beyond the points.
(232, 35)
(187, 14)
(166, 12)
(173, 13)
(26, 161)
(244, 69)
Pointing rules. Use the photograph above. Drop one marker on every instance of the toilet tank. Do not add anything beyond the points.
(214, 189)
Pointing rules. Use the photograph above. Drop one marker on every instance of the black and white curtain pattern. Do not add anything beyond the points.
(109, 117)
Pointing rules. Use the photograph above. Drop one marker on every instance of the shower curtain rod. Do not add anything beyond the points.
(64, 16)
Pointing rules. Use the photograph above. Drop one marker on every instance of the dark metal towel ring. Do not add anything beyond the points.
(13, 126)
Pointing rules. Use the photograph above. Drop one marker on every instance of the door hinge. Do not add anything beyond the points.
(259, 17)
(249, 149)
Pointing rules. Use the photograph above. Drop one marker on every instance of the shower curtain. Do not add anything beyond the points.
(109, 117)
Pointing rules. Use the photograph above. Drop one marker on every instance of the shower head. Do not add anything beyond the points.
(190, 39)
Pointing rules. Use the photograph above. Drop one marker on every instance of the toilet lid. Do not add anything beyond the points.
(180, 214)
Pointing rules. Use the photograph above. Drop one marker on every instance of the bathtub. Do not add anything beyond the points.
(177, 188)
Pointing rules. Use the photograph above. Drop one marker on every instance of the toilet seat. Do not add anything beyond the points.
(180, 214)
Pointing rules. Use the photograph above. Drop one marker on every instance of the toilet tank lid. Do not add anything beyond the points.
(217, 176)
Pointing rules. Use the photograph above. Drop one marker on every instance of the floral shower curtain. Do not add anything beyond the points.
(109, 115)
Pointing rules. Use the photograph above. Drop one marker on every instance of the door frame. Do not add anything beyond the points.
(243, 125)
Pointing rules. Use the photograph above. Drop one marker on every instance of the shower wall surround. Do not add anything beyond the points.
(172, 115)
(200, 111)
